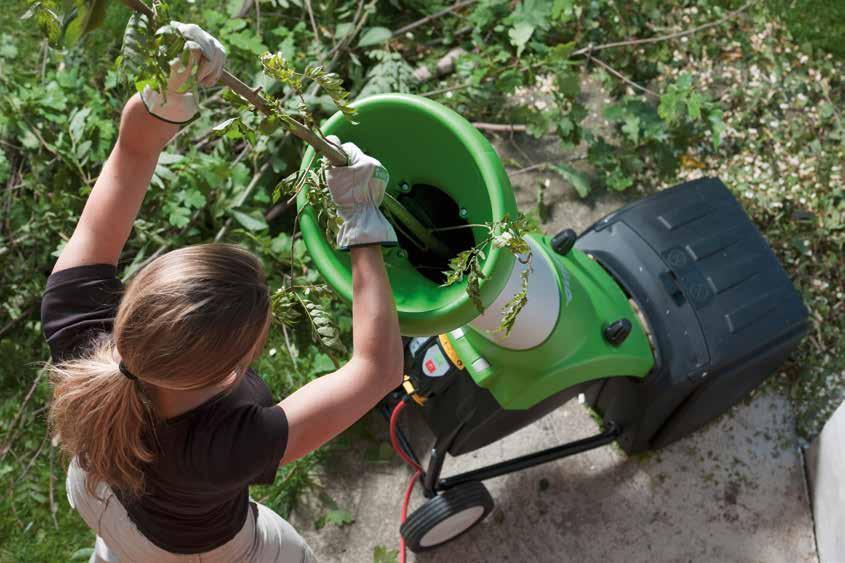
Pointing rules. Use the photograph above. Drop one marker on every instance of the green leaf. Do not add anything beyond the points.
(374, 36)
(342, 29)
(84, 17)
(515, 306)
(519, 36)
(194, 198)
(576, 179)
(254, 222)
(179, 217)
(631, 128)
(77, 124)
(561, 51)
(694, 103)
(322, 364)
(82, 554)
(339, 517)
(382, 554)
(561, 8)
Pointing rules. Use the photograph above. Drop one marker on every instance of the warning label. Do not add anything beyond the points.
(435, 363)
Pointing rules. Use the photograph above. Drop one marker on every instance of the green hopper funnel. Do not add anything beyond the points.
(446, 173)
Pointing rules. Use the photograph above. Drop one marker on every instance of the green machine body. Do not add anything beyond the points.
(559, 340)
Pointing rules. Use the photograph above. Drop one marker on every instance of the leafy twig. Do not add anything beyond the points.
(232, 82)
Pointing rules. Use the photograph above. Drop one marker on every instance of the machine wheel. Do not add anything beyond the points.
(446, 516)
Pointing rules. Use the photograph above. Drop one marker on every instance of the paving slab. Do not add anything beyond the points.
(734, 491)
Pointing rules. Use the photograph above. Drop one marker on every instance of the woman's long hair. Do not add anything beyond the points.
(188, 320)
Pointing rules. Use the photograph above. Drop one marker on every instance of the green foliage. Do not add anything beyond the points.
(276, 66)
(391, 73)
(383, 554)
(816, 24)
(468, 264)
(508, 234)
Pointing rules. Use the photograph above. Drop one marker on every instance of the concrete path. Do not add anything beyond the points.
(734, 491)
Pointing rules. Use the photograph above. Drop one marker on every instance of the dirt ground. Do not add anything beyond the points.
(735, 491)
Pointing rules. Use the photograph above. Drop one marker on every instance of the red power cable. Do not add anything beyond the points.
(394, 421)
(413, 481)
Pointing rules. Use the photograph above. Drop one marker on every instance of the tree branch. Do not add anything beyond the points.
(621, 76)
(334, 154)
(500, 127)
(425, 20)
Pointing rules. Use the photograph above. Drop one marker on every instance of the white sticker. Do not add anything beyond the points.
(435, 363)
(415, 344)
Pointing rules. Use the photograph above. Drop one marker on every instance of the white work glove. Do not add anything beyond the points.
(180, 102)
(357, 191)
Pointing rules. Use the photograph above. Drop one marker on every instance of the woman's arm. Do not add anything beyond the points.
(148, 121)
(325, 407)
(114, 202)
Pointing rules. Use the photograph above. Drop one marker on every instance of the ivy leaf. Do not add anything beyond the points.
(632, 128)
(717, 126)
(576, 179)
(382, 554)
(179, 216)
(519, 36)
(374, 36)
(562, 9)
(194, 198)
(336, 516)
(250, 222)
(669, 107)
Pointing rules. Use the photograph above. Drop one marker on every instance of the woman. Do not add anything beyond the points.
(154, 400)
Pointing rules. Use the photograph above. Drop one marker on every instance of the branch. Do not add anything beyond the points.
(659, 38)
(425, 20)
(9, 433)
(621, 76)
(334, 154)
(240, 201)
(313, 22)
(500, 127)
(12, 323)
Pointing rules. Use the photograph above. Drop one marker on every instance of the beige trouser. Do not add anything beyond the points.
(265, 537)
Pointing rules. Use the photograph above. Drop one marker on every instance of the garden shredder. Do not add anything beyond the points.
(662, 315)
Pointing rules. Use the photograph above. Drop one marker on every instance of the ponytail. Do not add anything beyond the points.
(189, 320)
(101, 416)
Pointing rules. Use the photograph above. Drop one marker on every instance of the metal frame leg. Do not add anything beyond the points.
(530, 460)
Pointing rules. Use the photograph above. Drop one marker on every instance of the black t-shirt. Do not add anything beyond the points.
(196, 495)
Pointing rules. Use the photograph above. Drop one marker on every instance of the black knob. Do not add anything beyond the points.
(616, 332)
(563, 242)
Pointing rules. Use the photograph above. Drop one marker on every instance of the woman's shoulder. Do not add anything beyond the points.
(78, 304)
